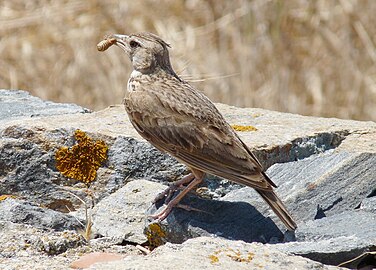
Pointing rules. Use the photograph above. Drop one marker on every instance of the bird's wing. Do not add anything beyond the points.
(186, 124)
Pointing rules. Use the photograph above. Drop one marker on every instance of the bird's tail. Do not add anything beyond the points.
(279, 208)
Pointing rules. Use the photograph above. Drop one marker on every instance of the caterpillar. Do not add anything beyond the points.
(105, 44)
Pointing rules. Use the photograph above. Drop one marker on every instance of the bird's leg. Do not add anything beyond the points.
(198, 177)
(168, 192)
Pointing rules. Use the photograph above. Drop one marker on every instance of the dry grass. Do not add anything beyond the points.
(301, 56)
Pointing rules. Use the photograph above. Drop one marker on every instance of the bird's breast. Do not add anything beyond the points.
(137, 99)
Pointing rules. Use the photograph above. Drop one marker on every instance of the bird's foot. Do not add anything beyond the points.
(190, 208)
(169, 192)
(175, 201)
(168, 208)
(164, 213)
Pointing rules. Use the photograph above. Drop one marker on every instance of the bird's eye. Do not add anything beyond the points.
(134, 44)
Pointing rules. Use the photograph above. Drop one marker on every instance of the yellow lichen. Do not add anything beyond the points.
(213, 259)
(155, 235)
(6, 196)
(243, 128)
(239, 257)
(236, 256)
(82, 160)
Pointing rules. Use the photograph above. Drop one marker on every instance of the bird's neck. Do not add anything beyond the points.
(156, 72)
(136, 74)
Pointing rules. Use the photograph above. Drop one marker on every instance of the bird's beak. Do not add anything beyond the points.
(118, 36)
(122, 42)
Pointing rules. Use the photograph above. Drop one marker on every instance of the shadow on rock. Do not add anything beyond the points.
(231, 220)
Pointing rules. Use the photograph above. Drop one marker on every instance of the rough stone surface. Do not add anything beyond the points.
(26, 247)
(213, 253)
(18, 211)
(334, 239)
(319, 186)
(232, 220)
(369, 204)
(122, 214)
(325, 170)
(17, 104)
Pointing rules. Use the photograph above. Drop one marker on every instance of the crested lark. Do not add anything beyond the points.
(178, 119)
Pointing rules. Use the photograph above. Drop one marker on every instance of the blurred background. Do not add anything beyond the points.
(300, 56)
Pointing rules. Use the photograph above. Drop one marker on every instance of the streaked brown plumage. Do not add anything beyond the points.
(178, 119)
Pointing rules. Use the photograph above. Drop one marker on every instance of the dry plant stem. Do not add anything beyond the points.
(143, 250)
(356, 258)
(88, 221)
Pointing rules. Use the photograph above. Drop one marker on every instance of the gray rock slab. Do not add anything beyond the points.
(369, 204)
(356, 223)
(232, 220)
(123, 213)
(213, 253)
(327, 171)
(132, 158)
(26, 247)
(326, 184)
(283, 137)
(17, 104)
(280, 137)
(28, 168)
(318, 186)
(336, 239)
(18, 211)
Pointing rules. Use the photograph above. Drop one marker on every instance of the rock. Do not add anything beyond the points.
(18, 211)
(232, 220)
(318, 186)
(284, 137)
(95, 257)
(335, 239)
(123, 213)
(324, 169)
(57, 243)
(26, 247)
(323, 185)
(369, 204)
(213, 253)
(362, 226)
(322, 192)
(17, 104)
(133, 158)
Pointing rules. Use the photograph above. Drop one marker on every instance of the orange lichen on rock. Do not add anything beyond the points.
(213, 259)
(6, 196)
(235, 255)
(82, 160)
(243, 128)
(155, 234)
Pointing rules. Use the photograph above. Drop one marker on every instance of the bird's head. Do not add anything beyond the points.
(147, 51)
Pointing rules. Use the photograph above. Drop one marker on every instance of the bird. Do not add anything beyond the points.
(180, 120)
